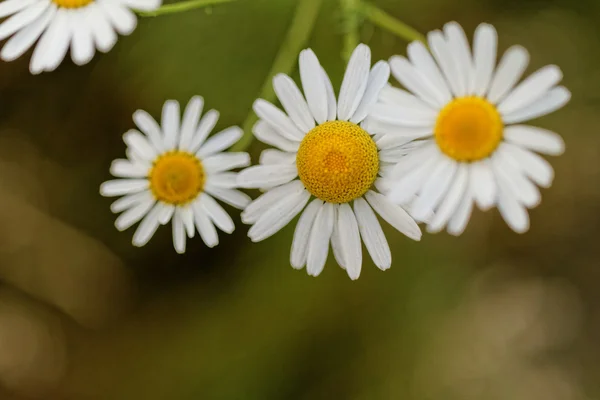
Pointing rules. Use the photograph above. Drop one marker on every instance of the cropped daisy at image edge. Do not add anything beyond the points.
(462, 116)
(83, 26)
(322, 153)
(174, 172)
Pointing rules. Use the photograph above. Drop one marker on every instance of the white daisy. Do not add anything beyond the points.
(319, 140)
(83, 25)
(467, 114)
(175, 173)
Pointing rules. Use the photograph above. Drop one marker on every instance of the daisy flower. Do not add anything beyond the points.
(322, 152)
(82, 25)
(174, 172)
(467, 115)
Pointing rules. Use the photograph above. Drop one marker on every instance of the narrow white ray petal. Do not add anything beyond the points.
(336, 241)
(225, 161)
(400, 97)
(459, 45)
(220, 141)
(350, 241)
(416, 82)
(278, 120)
(205, 126)
(372, 234)
(179, 238)
(9, 7)
(412, 182)
(127, 169)
(189, 123)
(217, 214)
(554, 99)
(134, 214)
(394, 115)
(264, 202)
(272, 156)
(299, 251)
(531, 164)
(313, 85)
(511, 67)
(166, 213)
(536, 139)
(206, 229)
(269, 135)
(378, 127)
(451, 200)
(82, 45)
(428, 150)
(442, 52)
(482, 184)
(378, 78)
(147, 227)
(521, 188)
(104, 34)
(22, 18)
(485, 46)
(170, 123)
(227, 180)
(278, 216)
(331, 100)
(355, 81)
(460, 219)
(293, 102)
(266, 175)
(233, 197)
(151, 129)
(394, 215)
(424, 62)
(22, 41)
(320, 235)
(187, 216)
(531, 89)
(120, 187)
(142, 5)
(434, 189)
(140, 145)
(121, 17)
(130, 200)
(512, 211)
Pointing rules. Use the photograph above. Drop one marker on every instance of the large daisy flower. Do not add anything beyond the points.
(322, 152)
(467, 114)
(174, 172)
(82, 25)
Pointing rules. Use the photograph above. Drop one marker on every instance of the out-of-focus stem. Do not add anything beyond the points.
(295, 39)
(350, 25)
(389, 23)
(181, 7)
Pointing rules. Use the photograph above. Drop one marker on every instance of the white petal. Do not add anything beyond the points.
(554, 99)
(424, 62)
(150, 127)
(227, 180)
(378, 127)
(217, 214)
(119, 187)
(485, 45)
(532, 165)
(394, 215)
(355, 82)
(269, 135)
(521, 188)
(511, 210)
(531, 89)
(206, 125)
(536, 139)
(434, 189)
(9, 7)
(459, 47)
(402, 98)
(350, 241)
(482, 184)
(278, 120)
(331, 100)
(178, 233)
(318, 245)
(23, 18)
(127, 169)
(130, 200)
(170, 123)
(272, 156)
(336, 240)
(220, 141)
(378, 78)
(442, 51)
(122, 18)
(460, 219)
(233, 197)
(22, 41)
(134, 214)
(147, 227)
(278, 216)
(225, 161)
(266, 201)
(104, 34)
(187, 216)
(82, 46)
(426, 151)
(142, 5)
(451, 200)
(207, 230)
(166, 213)
(293, 102)
(53, 45)
(406, 117)
(313, 85)
(266, 175)
(511, 67)
(372, 234)
(189, 123)
(140, 145)
(415, 81)
(412, 181)
(299, 251)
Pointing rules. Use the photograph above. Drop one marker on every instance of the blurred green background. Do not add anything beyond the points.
(490, 315)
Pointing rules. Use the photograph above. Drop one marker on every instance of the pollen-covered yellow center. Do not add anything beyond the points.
(468, 129)
(337, 161)
(72, 3)
(177, 177)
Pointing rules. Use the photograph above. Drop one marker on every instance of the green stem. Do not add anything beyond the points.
(181, 7)
(387, 22)
(295, 39)
(350, 25)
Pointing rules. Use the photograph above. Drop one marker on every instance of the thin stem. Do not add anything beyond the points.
(295, 39)
(387, 22)
(350, 25)
(181, 7)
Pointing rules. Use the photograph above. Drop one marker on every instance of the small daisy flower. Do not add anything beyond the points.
(175, 173)
(82, 25)
(466, 113)
(322, 152)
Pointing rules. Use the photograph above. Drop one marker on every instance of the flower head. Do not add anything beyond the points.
(174, 173)
(323, 152)
(82, 25)
(465, 115)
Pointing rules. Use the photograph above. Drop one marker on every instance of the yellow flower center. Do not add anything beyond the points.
(72, 3)
(337, 161)
(468, 129)
(177, 177)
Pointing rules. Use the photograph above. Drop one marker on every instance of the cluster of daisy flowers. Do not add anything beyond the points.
(449, 139)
